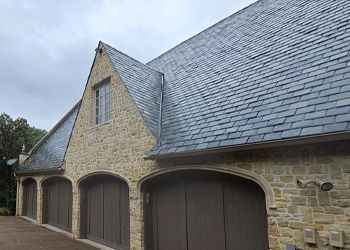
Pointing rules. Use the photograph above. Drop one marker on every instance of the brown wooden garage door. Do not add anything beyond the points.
(105, 206)
(205, 211)
(29, 198)
(58, 203)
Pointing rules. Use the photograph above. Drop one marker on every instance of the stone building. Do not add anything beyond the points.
(202, 147)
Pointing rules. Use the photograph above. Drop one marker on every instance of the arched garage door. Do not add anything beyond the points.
(201, 210)
(104, 214)
(29, 198)
(57, 206)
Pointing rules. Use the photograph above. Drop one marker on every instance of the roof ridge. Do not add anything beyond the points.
(200, 32)
(53, 129)
(130, 57)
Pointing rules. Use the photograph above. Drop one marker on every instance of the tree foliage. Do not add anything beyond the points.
(13, 135)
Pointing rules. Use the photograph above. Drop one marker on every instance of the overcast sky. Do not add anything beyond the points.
(47, 46)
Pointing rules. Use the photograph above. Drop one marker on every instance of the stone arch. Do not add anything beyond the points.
(47, 178)
(265, 186)
(103, 172)
(25, 179)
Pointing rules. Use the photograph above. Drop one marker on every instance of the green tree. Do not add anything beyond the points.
(13, 135)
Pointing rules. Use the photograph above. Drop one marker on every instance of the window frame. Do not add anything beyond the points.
(102, 102)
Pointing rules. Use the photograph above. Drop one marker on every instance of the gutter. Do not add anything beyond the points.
(58, 170)
(330, 137)
(41, 171)
(160, 111)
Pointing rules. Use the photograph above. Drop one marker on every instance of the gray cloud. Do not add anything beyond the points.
(47, 47)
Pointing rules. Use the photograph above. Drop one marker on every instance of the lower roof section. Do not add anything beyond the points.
(48, 154)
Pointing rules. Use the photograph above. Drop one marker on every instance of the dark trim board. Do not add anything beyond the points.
(40, 171)
(331, 137)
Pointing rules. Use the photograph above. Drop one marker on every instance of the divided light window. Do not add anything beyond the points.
(103, 106)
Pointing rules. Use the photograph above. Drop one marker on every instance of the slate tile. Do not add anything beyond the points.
(324, 120)
(260, 124)
(343, 117)
(343, 102)
(231, 129)
(213, 144)
(241, 140)
(249, 132)
(302, 123)
(282, 127)
(255, 138)
(339, 96)
(298, 105)
(269, 117)
(234, 135)
(291, 133)
(335, 127)
(306, 110)
(277, 121)
(190, 148)
(295, 118)
(339, 110)
(201, 146)
(330, 91)
(272, 136)
(311, 130)
(316, 114)
(221, 137)
(228, 142)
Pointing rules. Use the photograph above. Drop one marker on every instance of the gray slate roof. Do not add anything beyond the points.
(277, 69)
(49, 153)
(143, 84)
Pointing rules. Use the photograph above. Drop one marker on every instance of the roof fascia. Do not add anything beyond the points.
(263, 145)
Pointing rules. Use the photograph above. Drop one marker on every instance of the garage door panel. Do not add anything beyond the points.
(111, 218)
(58, 203)
(52, 204)
(30, 199)
(95, 212)
(64, 204)
(205, 218)
(171, 229)
(232, 218)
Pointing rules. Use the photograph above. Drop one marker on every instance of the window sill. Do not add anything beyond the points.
(100, 125)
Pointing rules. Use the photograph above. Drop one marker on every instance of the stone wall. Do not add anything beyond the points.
(119, 148)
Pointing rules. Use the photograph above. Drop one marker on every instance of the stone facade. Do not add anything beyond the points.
(119, 147)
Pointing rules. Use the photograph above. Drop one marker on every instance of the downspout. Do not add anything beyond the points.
(160, 111)
(18, 183)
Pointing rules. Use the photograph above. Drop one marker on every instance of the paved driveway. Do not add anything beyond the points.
(19, 234)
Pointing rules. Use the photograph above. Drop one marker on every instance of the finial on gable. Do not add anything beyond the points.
(99, 48)
(22, 156)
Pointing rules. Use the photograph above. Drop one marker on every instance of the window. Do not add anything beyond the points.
(103, 106)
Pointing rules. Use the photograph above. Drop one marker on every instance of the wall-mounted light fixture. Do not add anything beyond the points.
(323, 185)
